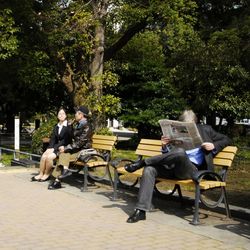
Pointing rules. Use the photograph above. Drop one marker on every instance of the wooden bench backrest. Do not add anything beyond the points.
(103, 142)
(149, 147)
(225, 157)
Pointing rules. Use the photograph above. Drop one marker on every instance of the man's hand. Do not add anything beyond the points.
(164, 140)
(61, 149)
(208, 146)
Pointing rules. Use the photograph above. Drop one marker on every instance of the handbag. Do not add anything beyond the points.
(85, 154)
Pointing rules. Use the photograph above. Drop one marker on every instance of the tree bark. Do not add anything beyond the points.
(96, 66)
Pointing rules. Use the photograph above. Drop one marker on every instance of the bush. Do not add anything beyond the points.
(104, 131)
(44, 131)
(130, 144)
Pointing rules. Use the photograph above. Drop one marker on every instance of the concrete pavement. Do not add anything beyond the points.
(33, 217)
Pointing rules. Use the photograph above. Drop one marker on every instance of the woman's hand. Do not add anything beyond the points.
(61, 149)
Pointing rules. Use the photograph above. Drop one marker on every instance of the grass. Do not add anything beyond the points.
(7, 157)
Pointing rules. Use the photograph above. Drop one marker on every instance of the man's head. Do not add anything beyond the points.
(188, 116)
(81, 112)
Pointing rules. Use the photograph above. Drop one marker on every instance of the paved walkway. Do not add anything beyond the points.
(32, 217)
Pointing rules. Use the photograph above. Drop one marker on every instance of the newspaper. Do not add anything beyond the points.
(181, 134)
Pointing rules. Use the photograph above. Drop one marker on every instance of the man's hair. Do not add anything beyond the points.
(188, 115)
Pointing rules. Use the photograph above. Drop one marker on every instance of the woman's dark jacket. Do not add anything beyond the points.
(62, 139)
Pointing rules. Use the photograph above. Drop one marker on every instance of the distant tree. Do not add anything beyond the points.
(8, 30)
(84, 35)
(144, 87)
(211, 69)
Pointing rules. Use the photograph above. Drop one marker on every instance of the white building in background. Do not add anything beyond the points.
(244, 121)
(117, 128)
(114, 124)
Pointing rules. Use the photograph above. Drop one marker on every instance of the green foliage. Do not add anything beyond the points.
(8, 38)
(177, 53)
(36, 71)
(145, 88)
(211, 77)
(44, 131)
(103, 131)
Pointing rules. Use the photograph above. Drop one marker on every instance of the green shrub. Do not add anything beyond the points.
(44, 131)
(103, 131)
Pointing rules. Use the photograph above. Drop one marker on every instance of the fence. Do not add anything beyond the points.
(31, 158)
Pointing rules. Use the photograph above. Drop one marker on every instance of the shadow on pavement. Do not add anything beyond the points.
(241, 228)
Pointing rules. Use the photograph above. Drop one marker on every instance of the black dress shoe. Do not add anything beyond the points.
(54, 185)
(34, 179)
(136, 216)
(134, 166)
(65, 174)
(43, 180)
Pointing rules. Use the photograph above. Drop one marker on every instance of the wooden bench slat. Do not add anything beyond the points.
(97, 142)
(225, 155)
(231, 149)
(150, 142)
(222, 162)
(97, 163)
(102, 147)
(211, 184)
(147, 153)
(156, 148)
(104, 137)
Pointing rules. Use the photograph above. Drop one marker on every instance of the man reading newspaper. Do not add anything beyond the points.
(180, 159)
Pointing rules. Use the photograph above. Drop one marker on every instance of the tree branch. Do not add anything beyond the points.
(113, 49)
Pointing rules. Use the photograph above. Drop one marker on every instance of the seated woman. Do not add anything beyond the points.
(61, 136)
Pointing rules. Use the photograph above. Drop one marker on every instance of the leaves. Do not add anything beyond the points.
(8, 39)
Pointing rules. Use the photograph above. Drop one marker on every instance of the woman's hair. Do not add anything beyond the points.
(188, 115)
(62, 108)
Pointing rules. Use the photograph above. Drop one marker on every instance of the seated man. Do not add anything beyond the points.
(175, 163)
(81, 139)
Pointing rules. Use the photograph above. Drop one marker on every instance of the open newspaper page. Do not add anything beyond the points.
(182, 134)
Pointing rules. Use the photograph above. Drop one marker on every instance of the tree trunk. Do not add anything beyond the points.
(96, 67)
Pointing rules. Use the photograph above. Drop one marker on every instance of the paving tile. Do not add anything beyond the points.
(33, 217)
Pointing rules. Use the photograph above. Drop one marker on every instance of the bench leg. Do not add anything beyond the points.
(84, 187)
(110, 177)
(178, 188)
(196, 220)
(226, 202)
(116, 179)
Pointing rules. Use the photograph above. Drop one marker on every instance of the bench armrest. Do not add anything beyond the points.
(87, 157)
(116, 162)
(206, 174)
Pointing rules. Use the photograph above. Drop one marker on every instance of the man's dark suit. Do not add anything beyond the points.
(219, 140)
(176, 164)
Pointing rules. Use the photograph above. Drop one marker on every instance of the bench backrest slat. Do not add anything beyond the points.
(147, 153)
(225, 157)
(103, 142)
(222, 162)
(148, 147)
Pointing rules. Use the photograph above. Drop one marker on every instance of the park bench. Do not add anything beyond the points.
(205, 183)
(96, 164)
